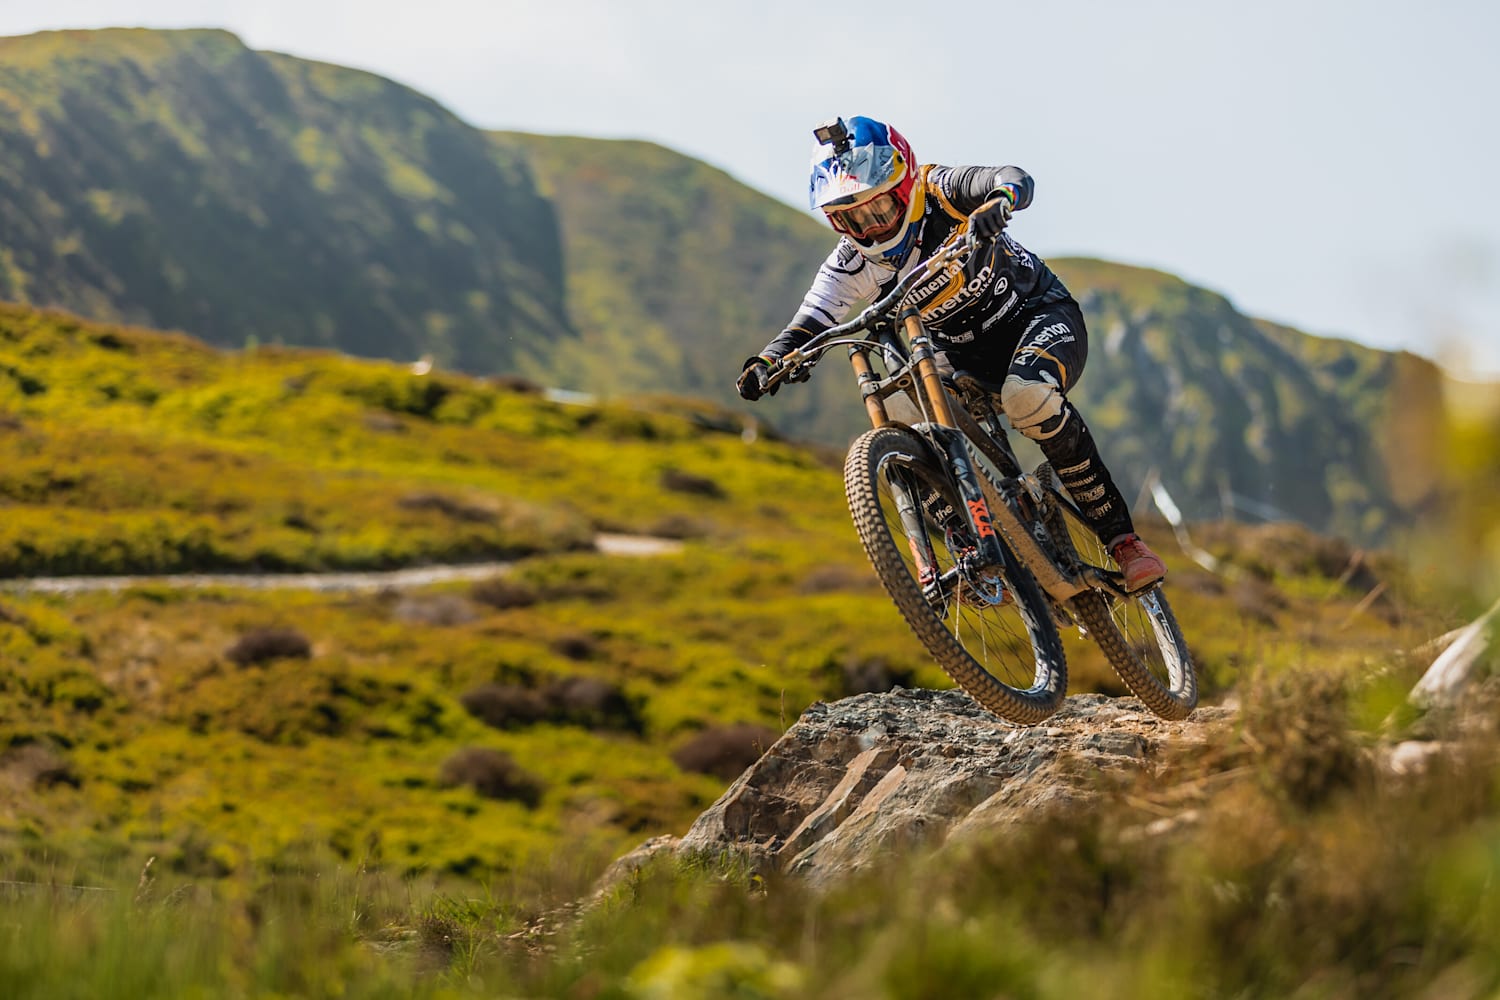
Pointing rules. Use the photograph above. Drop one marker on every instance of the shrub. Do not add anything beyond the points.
(502, 592)
(261, 645)
(875, 674)
(505, 706)
(493, 774)
(579, 701)
(575, 646)
(593, 704)
(1257, 600)
(1298, 731)
(686, 482)
(516, 384)
(725, 751)
(835, 578)
(38, 766)
(451, 507)
(680, 527)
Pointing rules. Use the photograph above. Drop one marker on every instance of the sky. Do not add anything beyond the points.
(1327, 164)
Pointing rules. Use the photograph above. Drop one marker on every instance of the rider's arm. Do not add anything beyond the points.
(842, 280)
(964, 189)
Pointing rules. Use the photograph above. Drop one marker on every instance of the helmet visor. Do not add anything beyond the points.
(848, 176)
(871, 220)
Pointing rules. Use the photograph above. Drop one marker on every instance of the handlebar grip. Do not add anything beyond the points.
(781, 371)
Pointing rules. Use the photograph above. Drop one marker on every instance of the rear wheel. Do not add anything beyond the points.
(990, 629)
(1138, 632)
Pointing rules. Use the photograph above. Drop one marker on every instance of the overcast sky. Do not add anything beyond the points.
(1329, 164)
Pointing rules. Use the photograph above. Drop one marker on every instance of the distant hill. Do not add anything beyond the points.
(1245, 418)
(676, 272)
(180, 180)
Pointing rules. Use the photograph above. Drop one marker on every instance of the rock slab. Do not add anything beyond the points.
(874, 774)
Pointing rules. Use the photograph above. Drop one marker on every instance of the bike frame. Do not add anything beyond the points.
(988, 506)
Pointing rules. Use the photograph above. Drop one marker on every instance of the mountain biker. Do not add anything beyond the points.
(1001, 315)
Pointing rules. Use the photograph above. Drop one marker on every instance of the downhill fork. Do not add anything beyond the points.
(993, 514)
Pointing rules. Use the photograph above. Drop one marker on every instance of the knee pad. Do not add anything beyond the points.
(1038, 410)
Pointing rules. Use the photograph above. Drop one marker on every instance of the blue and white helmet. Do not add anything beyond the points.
(863, 179)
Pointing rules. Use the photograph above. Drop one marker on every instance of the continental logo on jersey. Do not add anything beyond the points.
(948, 293)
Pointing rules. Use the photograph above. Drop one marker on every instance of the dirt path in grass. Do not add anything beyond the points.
(420, 576)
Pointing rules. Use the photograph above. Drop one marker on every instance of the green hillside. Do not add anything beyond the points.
(465, 729)
(676, 272)
(179, 180)
(1225, 407)
(226, 728)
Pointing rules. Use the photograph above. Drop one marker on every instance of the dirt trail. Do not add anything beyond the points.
(420, 576)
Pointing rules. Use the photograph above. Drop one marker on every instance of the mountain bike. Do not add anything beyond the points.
(983, 559)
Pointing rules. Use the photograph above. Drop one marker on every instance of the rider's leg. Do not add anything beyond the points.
(1047, 362)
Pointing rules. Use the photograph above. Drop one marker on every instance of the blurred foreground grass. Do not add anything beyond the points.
(1283, 861)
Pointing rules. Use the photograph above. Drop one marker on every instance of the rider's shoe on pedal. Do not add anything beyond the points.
(1141, 566)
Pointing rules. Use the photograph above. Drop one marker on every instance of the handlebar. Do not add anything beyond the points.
(786, 366)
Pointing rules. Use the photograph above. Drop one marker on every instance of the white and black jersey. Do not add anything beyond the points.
(983, 296)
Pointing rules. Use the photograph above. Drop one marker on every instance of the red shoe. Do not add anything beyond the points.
(1141, 566)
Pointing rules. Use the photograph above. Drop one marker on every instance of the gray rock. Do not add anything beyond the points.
(877, 774)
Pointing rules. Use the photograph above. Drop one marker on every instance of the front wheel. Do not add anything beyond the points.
(990, 629)
(1138, 632)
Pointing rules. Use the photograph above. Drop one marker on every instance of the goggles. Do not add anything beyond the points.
(869, 220)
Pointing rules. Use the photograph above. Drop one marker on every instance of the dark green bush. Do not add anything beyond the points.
(261, 645)
(506, 706)
(686, 482)
(503, 593)
(493, 774)
(724, 751)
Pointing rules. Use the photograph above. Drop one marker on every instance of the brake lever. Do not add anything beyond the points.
(799, 370)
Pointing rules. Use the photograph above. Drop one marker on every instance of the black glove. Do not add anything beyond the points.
(752, 381)
(988, 221)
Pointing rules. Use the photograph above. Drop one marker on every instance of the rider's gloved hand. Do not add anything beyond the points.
(752, 381)
(988, 221)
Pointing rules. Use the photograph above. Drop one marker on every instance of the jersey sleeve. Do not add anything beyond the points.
(842, 280)
(960, 190)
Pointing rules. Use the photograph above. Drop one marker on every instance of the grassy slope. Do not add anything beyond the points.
(128, 450)
(676, 272)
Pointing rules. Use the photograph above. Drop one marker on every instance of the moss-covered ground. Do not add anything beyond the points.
(300, 793)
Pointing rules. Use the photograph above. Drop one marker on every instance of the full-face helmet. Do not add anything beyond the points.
(863, 177)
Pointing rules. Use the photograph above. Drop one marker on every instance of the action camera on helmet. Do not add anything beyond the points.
(834, 132)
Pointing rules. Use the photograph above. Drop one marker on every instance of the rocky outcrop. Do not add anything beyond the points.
(881, 773)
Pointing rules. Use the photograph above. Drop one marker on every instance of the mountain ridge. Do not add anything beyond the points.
(372, 219)
(257, 198)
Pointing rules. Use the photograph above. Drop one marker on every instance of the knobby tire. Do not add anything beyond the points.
(1009, 657)
(1138, 633)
